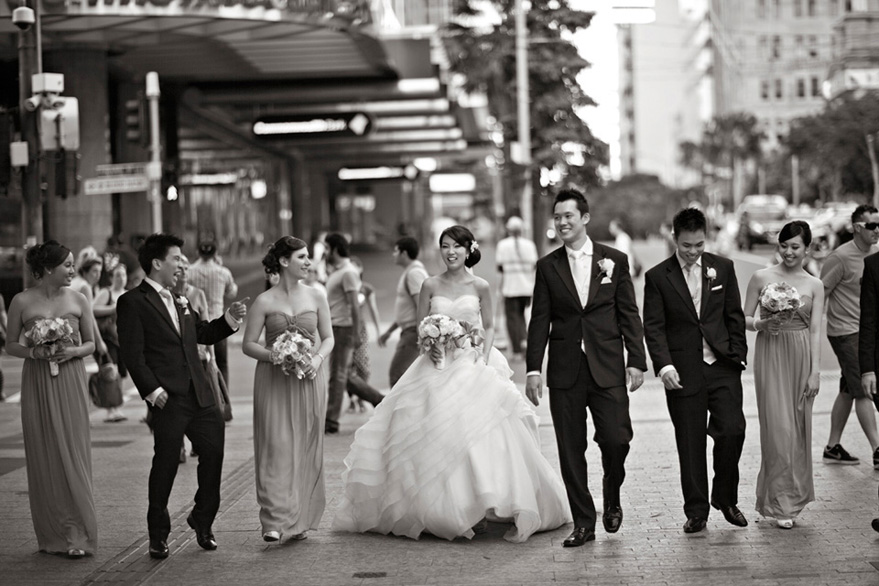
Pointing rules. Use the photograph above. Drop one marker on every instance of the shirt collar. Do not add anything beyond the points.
(154, 284)
(586, 249)
(683, 263)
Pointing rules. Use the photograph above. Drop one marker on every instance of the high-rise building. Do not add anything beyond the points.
(855, 52)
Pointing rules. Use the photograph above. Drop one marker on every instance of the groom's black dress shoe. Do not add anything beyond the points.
(159, 549)
(875, 524)
(612, 519)
(203, 536)
(578, 537)
(732, 514)
(695, 525)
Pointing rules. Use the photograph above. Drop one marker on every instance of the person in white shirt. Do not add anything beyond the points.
(516, 262)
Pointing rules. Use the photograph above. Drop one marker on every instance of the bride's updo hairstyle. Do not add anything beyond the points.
(465, 238)
(282, 248)
(794, 229)
(47, 255)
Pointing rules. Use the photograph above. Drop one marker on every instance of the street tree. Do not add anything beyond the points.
(485, 56)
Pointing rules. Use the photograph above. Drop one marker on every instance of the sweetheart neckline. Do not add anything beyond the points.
(62, 316)
(293, 315)
(456, 298)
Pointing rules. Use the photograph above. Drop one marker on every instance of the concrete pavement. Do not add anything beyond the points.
(832, 543)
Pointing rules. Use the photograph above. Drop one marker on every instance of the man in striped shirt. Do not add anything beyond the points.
(217, 283)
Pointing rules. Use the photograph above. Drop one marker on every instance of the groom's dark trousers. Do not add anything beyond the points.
(609, 408)
(158, 355)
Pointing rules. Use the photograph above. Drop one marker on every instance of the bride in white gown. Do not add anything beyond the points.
(451, 446)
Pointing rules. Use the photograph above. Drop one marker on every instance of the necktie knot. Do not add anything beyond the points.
(167, 295)
(576, 254)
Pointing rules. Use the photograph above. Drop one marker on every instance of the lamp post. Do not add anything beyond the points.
(154, 168)
(524, 115)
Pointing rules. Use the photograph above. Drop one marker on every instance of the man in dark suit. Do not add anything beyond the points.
(868, 338)
(695, 332)
(584, 306)
(158, 334)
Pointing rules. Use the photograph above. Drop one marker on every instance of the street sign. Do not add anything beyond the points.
(313, 125)
(115, 184)
(121, 169)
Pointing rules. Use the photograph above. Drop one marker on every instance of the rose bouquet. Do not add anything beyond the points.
(52, 333)
(439, 331)
(292, 352)
(780, 300)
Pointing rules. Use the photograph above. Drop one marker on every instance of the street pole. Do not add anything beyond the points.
(524, 115)
(31, 194)
(795, 179)
(154, 168)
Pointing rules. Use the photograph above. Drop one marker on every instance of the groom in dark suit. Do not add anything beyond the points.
(695, 331)
(584, 306)
(158, 334)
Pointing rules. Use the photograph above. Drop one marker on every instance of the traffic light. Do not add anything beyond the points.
(137, 124)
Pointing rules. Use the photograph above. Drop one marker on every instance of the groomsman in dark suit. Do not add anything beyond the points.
(695, 331)
(584, 307)
(868, 339)
(159, 333)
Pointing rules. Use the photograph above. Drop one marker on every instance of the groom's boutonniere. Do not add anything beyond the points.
(710, 274)
(183, 302)
(606, 266)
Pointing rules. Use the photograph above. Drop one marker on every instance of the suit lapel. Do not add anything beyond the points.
(706, 285)
(153, 297)
(598, 254)
(563, 268)
(676, 277)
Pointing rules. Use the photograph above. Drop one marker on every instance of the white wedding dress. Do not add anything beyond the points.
(448, 447)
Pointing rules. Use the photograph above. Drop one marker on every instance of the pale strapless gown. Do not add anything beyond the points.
(448, 447)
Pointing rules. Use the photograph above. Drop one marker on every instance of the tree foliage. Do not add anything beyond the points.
(487, 58)
(833, 146)
(641, 201)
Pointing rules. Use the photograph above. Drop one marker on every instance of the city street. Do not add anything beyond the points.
(832, 543)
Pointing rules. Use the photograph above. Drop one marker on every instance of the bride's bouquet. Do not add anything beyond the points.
(292, 352)
(780, 300)
(53, 333)
(439, 331)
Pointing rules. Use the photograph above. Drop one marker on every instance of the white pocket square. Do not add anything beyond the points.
(605, 281)
(718, 288)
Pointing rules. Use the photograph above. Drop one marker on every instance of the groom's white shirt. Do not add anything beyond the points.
(233, 323)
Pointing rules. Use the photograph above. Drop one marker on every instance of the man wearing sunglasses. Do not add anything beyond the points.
(841, 276)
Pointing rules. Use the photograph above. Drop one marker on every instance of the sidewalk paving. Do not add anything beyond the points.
(832, 543)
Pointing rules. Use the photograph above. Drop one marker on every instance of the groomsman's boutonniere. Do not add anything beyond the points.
(606, 266)
(710, 274)
(183, 302)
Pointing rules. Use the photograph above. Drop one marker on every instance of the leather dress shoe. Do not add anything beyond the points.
(578, 537)
(875, 524)
(204, 537)
(695, 525)
(612, 519)
(159, 549)
(732, 514)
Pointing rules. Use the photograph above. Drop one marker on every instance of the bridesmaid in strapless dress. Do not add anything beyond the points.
(786, 375)
(54, 411)
(288, 412)
(454, 443)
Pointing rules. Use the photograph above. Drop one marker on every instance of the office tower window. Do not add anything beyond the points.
(811, 7)
(776, 47)
(779, 89)
(798, 8)
(776, 8)
(816, 87)
(798, 44)
(801, 88)
(764, 90)
(762, 47)
(813, 47)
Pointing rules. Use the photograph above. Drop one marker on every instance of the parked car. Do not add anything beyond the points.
(761, 218)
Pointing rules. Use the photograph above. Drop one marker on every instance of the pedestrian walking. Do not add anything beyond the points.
(405, 307)
(585, 310)
(343, 289)
(360, 366)
(105, 317)
(695, 332)
(787, 360)
(289, 412)
(516, 258)
(841, 275)
(159, 336)
(54, 413)
(209, 275)
(622, 241)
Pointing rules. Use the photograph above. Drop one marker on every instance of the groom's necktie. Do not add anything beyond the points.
(580, 271)
(168, 298)
(694, 284)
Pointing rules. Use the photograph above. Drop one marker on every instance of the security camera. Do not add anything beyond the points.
(23, 17)
(32, 103)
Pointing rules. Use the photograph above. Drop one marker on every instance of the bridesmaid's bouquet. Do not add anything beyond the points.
(52, 333)
(439, 331)
(292, 352)
(780, 300)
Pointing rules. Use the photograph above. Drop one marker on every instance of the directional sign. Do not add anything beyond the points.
(121, 169)
(115, 184)
(315, 125)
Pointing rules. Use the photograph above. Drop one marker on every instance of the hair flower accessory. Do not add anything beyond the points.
(710, 273)
(474, 246)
